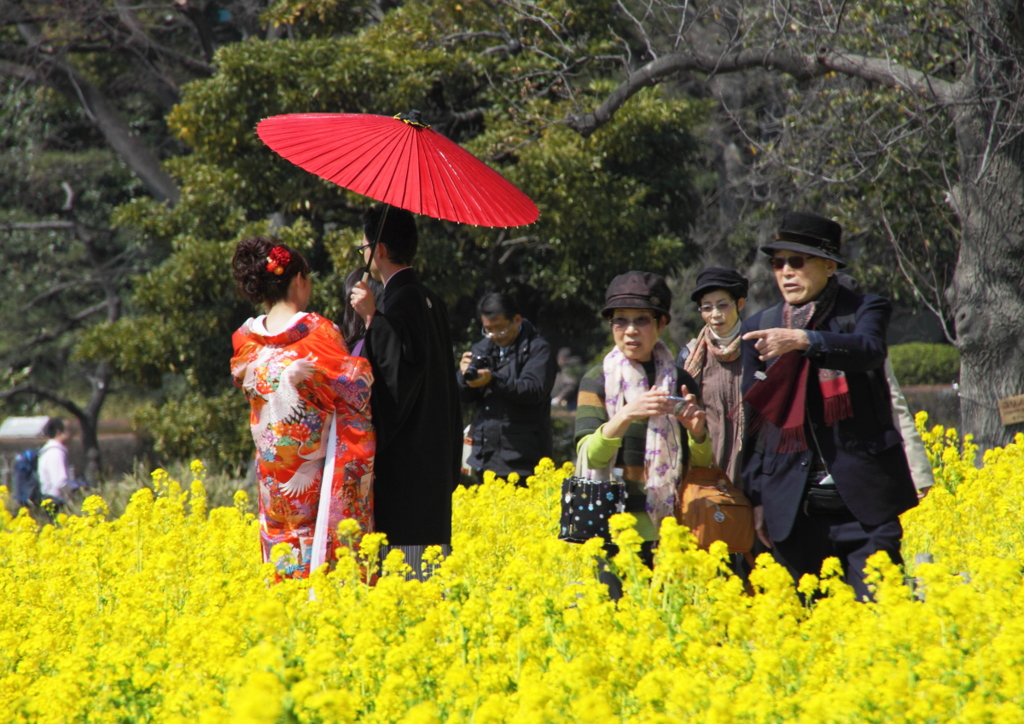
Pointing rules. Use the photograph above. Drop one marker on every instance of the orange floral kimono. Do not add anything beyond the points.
(295, 381)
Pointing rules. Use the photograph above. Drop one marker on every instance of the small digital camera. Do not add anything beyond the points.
(679, 404)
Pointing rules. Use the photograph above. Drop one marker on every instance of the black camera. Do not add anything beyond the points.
(480, 362)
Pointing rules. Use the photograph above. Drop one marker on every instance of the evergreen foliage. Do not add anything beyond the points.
(619, 199)
(918, 363)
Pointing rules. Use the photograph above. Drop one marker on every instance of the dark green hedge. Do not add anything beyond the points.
(919, 363)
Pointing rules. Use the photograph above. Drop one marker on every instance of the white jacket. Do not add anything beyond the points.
(53, 469)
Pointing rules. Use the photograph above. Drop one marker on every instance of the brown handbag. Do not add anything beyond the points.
(714, 509)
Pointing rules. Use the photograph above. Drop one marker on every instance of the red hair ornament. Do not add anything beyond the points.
(278, 260)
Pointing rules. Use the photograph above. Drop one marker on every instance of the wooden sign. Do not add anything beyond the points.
(1011, 409)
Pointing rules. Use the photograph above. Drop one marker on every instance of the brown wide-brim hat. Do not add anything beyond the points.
(638, 290)
(808, 234)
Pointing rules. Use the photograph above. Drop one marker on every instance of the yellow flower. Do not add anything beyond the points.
(94, 505)
(166, 614)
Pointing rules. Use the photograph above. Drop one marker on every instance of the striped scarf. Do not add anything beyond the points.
(779, 401)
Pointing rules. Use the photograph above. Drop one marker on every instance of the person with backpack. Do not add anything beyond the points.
(55, 480)
(26, 478)
(824, 464)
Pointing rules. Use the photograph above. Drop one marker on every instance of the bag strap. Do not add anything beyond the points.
(585, 471)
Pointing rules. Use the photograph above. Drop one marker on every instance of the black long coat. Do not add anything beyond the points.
(512, 424)
(864, 453)
(416, 413)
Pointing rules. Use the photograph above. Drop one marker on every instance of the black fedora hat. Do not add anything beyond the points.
(716, 277)
(637, 290)
(809, 234)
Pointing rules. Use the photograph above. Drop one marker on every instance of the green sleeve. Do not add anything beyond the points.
(600, 449)
(701, 454)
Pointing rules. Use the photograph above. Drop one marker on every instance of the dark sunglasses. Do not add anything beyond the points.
(795, 262)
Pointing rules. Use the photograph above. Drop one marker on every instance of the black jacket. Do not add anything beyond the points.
(512, 424)
(863, 453)
(416, 414)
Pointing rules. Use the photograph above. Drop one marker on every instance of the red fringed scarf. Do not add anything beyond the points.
(779, 401)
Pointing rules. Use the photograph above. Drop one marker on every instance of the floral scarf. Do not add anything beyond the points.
(623, 382)
(778, 401)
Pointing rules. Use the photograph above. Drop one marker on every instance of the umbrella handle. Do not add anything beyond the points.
(366, 271)
(373, 244)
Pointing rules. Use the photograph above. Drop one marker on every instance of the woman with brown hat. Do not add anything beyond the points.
(625, 418)
(712, 358)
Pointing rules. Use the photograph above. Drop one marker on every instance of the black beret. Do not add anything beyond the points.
(716, 277)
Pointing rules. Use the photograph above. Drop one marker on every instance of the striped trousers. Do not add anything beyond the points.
(414, 558)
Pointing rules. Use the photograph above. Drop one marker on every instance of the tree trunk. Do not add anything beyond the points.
(90, 421)
(986, 294)
(140, 158)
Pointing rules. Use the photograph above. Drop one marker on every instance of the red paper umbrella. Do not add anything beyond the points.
(401, 162)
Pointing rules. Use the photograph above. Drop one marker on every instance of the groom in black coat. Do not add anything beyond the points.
(823, 463)
(415, 400)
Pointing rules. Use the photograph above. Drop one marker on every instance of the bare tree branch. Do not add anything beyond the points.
(45, 393)
(56, 73)
(935, 305)
(61, 288)
(450, 39)
(196, 15)
(801, 67)
(37, 225)
(17, 70)
(54, 334)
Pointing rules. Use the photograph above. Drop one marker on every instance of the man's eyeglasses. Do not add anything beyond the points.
(795, 262)
(364, 247)
(637, 322)
(495, 335)
(722, 307)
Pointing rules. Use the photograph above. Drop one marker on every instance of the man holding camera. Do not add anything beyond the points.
(508, 375)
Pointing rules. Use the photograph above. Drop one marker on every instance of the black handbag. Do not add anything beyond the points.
(586, 506)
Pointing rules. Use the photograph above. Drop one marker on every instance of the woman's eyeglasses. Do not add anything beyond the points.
(795, 262)
(722, 307)
(637, 322)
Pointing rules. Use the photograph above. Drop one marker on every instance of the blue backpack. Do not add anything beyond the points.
(26, 478)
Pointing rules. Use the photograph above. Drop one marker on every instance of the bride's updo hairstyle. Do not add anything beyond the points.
(264, 268)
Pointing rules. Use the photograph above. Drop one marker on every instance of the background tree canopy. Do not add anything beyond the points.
(492, 77)
(903, 119)
(651, 135)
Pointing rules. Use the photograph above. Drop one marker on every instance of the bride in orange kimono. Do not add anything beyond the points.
(308, 396)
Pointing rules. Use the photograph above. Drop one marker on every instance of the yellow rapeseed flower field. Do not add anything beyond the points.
(166, 615)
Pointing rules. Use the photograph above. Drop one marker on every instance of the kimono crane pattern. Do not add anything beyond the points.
(295, 382)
